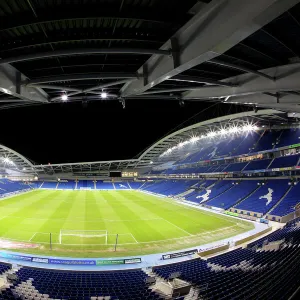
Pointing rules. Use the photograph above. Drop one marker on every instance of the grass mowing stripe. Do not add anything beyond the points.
(146, 223)
(14, 227)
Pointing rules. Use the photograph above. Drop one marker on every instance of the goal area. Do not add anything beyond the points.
(82, 237)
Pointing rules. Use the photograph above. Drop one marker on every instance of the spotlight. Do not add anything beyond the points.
(64, 97)
(181, 103)
(103, 95)
(194, 139)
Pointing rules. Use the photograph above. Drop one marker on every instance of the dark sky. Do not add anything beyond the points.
(69, 132)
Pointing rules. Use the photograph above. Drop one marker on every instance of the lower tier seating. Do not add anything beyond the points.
(249, 273)
(72, 285)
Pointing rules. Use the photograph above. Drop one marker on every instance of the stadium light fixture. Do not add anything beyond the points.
(223, 131)
(64, 97)
(211, 134)
(194, 139)
(103, 95)
(7, 161)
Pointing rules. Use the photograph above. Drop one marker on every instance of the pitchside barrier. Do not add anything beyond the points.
(213, 250)
(253, 236)
(57, 261)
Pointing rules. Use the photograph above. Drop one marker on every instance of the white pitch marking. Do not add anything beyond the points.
(32, 237)
(134, 238)
(177, 227)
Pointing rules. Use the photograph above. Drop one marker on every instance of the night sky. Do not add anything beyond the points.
(69, 132)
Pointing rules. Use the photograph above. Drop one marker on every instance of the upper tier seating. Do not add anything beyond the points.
(265, 197)
(267, 141)
(288, 137)
(247, 143)
(235, 167)
(285, 161)
(258, 165)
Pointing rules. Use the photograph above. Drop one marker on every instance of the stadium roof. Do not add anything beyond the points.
(150, 157)
(10, 159)
(233, 51)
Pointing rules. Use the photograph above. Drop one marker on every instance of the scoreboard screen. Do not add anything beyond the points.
(129, 174)
(115, 174)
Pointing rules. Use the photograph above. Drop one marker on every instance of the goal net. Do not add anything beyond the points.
(96, 237)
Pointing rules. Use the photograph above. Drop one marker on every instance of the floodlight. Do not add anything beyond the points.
(7, 161)
(211, 134)
(223, 131)
(103, 95)
(64, 97)
(194, 139)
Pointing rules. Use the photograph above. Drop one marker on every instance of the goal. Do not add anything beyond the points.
(83, 237)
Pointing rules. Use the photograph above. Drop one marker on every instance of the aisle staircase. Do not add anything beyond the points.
(192, 295)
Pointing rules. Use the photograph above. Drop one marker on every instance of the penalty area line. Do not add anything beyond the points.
(134, 238)
(33, 236)
(177, 227)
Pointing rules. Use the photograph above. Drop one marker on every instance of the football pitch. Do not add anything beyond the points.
(88, 223)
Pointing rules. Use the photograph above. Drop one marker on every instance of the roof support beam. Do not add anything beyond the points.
(71, 52)
(244, 69)
(195, 79)
(180, 89)
(10, 80)
(203, 39)
(54, 87)
(71, 77)
(287, 79)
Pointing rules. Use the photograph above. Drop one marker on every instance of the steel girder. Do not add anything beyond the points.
(216, 28)
(10, 84)
(259, 91)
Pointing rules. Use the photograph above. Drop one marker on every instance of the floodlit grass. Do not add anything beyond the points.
(144, 223)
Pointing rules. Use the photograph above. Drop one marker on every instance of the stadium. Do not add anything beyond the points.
(211, 209)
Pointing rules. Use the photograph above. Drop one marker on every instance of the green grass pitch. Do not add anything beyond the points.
(85, 223)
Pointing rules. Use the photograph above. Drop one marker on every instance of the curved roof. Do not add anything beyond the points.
(266, 117)
(10, 159)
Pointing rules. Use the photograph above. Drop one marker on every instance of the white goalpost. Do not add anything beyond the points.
(82, 234)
